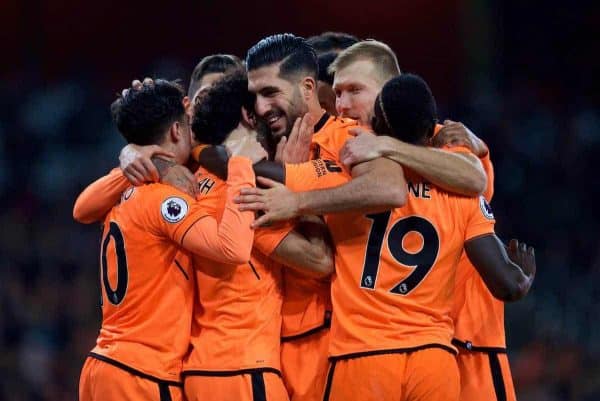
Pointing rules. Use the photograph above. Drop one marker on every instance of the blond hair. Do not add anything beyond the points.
(383, 58)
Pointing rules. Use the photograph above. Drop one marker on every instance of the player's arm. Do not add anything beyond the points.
(99, 197)
(214, 159)
(305, 248)
(455, 135)
(230, 239)
(376, 185)
(508, 275)
(457, 172)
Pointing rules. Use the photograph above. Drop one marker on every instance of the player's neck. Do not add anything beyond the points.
(316, 112)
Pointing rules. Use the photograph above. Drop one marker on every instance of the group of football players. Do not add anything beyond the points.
(298, 226)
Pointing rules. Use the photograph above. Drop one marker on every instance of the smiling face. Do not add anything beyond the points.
(278, 101)
(356, 86)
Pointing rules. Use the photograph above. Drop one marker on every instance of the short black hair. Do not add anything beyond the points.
(405, 109)
(325, 61)
(216, 63)
(331, 41)
(220, 110)
(142, 116)
(293, 51)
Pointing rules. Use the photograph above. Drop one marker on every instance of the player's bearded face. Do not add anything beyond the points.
(278, 101)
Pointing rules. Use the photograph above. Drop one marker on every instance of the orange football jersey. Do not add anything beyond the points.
(394, 283)
(145, 276)
(401, 307)
(237, 316)
(307, 300)
(478, 316)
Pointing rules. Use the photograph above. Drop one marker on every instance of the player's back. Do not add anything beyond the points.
(145, 276)
(395, 270)
(237, 317)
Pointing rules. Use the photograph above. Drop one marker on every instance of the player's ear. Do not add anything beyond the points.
(308, 87)
(187, 105)
(248, 119)
(175, 132)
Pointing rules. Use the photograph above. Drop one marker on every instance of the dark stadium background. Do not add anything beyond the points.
(522, 75)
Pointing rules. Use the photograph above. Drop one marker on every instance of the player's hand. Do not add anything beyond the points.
(296, 148)
(277, 201)
(181, 178)
(135, 162)
(523, 256)
(457, 134)
(249, 147)
(362, 148)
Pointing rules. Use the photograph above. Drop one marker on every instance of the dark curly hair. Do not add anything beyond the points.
(220, 109)
(142, 116)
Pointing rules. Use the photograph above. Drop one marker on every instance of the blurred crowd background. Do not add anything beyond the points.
(521, 75)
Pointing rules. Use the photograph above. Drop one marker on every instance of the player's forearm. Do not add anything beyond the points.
(230, 240)
(505, 280)
(306, 254)
(99, 197)
(452, 172)
(378, 185)
(215, 158)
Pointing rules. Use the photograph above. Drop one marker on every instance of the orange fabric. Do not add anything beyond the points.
(425, 312)
(489, 171)
(377, 306)
(242, 387)
(476, 378)
(304, 366)
(307, 300)
(237, 317)
(100, 381)
(426, 375)
(139, 327)
(96, 200)
(478, 316)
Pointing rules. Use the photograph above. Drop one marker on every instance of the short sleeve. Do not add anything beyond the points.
(266, 239)
(488, 167)
(172, 213)
(480, 219)
(315, 174)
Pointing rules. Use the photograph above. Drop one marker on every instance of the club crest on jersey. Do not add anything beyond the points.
(174, 209)
(486, 209)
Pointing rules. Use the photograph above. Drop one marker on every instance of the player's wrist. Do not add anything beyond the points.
(300, 204)
(388, 146)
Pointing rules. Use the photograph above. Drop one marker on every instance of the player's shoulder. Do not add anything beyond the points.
(334, 132)
(202, 174)
(156, 196)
